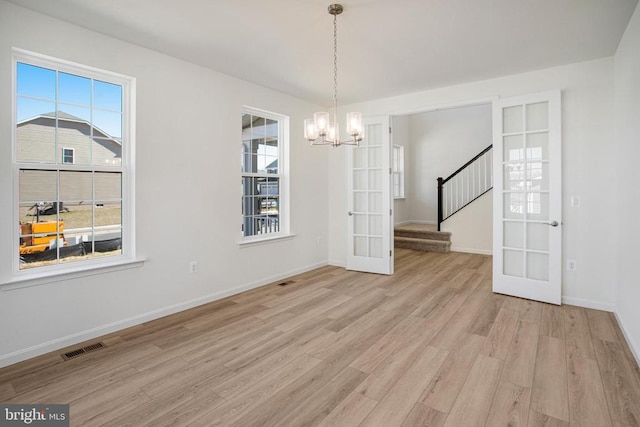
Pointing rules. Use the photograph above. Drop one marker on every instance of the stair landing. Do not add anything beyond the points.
(422, 237)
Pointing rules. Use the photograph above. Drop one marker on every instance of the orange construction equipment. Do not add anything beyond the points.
(37, 237)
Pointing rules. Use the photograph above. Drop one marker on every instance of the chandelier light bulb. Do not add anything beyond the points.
(354, 124)
(322, 122)
(310, 130)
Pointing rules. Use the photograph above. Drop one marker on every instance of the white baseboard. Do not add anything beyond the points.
(69, 340)
(633, 346)
(337, 263)
(472, 251)
(588, 304)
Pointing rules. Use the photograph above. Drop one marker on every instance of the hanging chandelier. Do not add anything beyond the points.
(321, 126)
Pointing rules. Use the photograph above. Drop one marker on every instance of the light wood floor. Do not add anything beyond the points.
(430, 345)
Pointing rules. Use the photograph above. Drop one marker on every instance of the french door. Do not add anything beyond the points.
(369, 216)
(527, 198)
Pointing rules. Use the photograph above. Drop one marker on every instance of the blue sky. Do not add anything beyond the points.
(41, 90)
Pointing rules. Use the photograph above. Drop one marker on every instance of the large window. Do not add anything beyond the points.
(264, 175)
(72, 151)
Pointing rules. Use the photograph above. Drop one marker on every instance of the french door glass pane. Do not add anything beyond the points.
(538, 146)
(375, 202)
(513, 148)
(514, 205)
(360, 246)
(513, 263)
(374, 135)
(514, 177)
(512, 119)
(375, 245)
(360, 179)
(538, 176)
(360, 223)
(375, 179)
(375, 225)
(537, 236)
(513, 235)
(375, 157)
(537, 266)
(538, 206)
(538, 116)
(360, 201)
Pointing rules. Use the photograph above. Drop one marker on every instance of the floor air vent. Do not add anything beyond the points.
(288, 282)
(84, 350)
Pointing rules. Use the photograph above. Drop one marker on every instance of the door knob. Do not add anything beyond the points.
(554, 223)
(350, 213)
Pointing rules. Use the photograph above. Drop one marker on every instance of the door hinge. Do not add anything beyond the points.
(390, 253)
(390, 211)
(390, 171)
(389, 129)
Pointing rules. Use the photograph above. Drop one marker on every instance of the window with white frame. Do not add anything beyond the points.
(264, 175)
(72, 162)
(398, 172)
(67, 155)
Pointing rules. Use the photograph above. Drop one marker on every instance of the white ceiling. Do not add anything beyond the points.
(386, 48)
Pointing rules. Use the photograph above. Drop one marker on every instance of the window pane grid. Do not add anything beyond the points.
(262, 180)
(60, 133)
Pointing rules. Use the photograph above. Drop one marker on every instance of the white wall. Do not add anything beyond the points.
(588, 161)
(400, 136)
(188, 204)
(625, 213)
(472, 227)
(441, 142)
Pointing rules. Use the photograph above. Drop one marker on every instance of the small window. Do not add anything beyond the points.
(264, 175)
(398, 172)
(67, 155)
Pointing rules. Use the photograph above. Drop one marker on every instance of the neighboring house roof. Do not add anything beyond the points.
(272, 165)
(69, 118)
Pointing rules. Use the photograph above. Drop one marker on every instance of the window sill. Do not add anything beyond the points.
(41, 278)
(264, 240)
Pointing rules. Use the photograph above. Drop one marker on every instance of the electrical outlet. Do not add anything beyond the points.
(575, 201)
(193, 266)
(571, 264)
